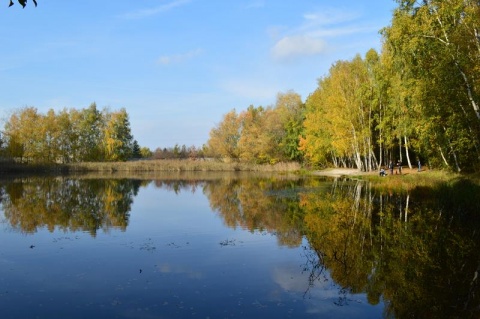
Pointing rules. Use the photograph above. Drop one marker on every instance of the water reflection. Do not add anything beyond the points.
(68, 204)
(417, 253)
(260, 204)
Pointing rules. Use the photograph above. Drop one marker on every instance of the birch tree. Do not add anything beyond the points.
(118, 139)
(340, 117)
(436, 48)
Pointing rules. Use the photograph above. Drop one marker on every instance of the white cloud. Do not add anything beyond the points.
(328, 17)
(309, 37)
(179, 58)
(343, 31)
(143, 13)
(291, 47)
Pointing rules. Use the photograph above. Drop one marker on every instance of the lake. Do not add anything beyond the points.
(236, 246)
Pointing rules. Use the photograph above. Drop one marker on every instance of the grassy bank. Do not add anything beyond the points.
(411, 179)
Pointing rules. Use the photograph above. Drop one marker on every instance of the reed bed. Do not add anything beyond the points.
(180, 166)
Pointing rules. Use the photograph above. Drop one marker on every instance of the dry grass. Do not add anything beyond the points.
(410, 179)
(180, 166)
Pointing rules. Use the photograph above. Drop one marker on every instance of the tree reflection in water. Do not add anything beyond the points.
(418, 252)
(260, 204)
(68, 204)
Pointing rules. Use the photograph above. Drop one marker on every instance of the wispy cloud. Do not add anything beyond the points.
(328, 17)
(144, 13)
(255, 4)
(179, 58)
(290, 47)
(310, 37)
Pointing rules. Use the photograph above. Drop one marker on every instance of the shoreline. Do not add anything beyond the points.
(339, 172)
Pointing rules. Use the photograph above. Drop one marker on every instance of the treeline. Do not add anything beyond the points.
(179, 152)
(260, 135)
(70, 135)
(418, 99)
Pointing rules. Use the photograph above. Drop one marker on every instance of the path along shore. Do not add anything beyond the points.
(337, 172)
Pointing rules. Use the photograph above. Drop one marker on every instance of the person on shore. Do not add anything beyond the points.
(382, 172)
(419, 165)
(399, 165)
(390, 167)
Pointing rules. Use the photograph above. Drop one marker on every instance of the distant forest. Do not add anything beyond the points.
(416, 100)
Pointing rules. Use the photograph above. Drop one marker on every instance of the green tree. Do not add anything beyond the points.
(68, 138)
(136, 150)
(91, 129)
(291, 111)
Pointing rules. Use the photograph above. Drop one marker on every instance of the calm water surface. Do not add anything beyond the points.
(233, 247)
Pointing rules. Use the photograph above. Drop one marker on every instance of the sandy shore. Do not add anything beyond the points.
(336, 172)
(339, 172)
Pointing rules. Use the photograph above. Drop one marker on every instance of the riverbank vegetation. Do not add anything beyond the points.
(411, 179)
(179, 166)
(416, 100)
(145, 167)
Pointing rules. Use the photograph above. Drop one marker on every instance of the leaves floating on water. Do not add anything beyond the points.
(228, 242)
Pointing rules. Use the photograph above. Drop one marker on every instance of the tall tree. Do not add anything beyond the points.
(91, 128)
(316, 141)
(340, 117)
(23, 131)
(118, 138)
(436, 48)
(291, 112)
(254, 142)
(136, 151)
(223, 141)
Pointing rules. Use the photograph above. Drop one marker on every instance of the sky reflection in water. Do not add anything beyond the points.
(175, 259)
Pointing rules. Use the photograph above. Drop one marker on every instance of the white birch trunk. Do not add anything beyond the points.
(443, 157)
(356, 153)
(406, 153)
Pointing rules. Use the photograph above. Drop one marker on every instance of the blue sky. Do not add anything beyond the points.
(177, 66)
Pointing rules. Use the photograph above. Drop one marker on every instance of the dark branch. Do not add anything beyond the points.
(23, 3)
